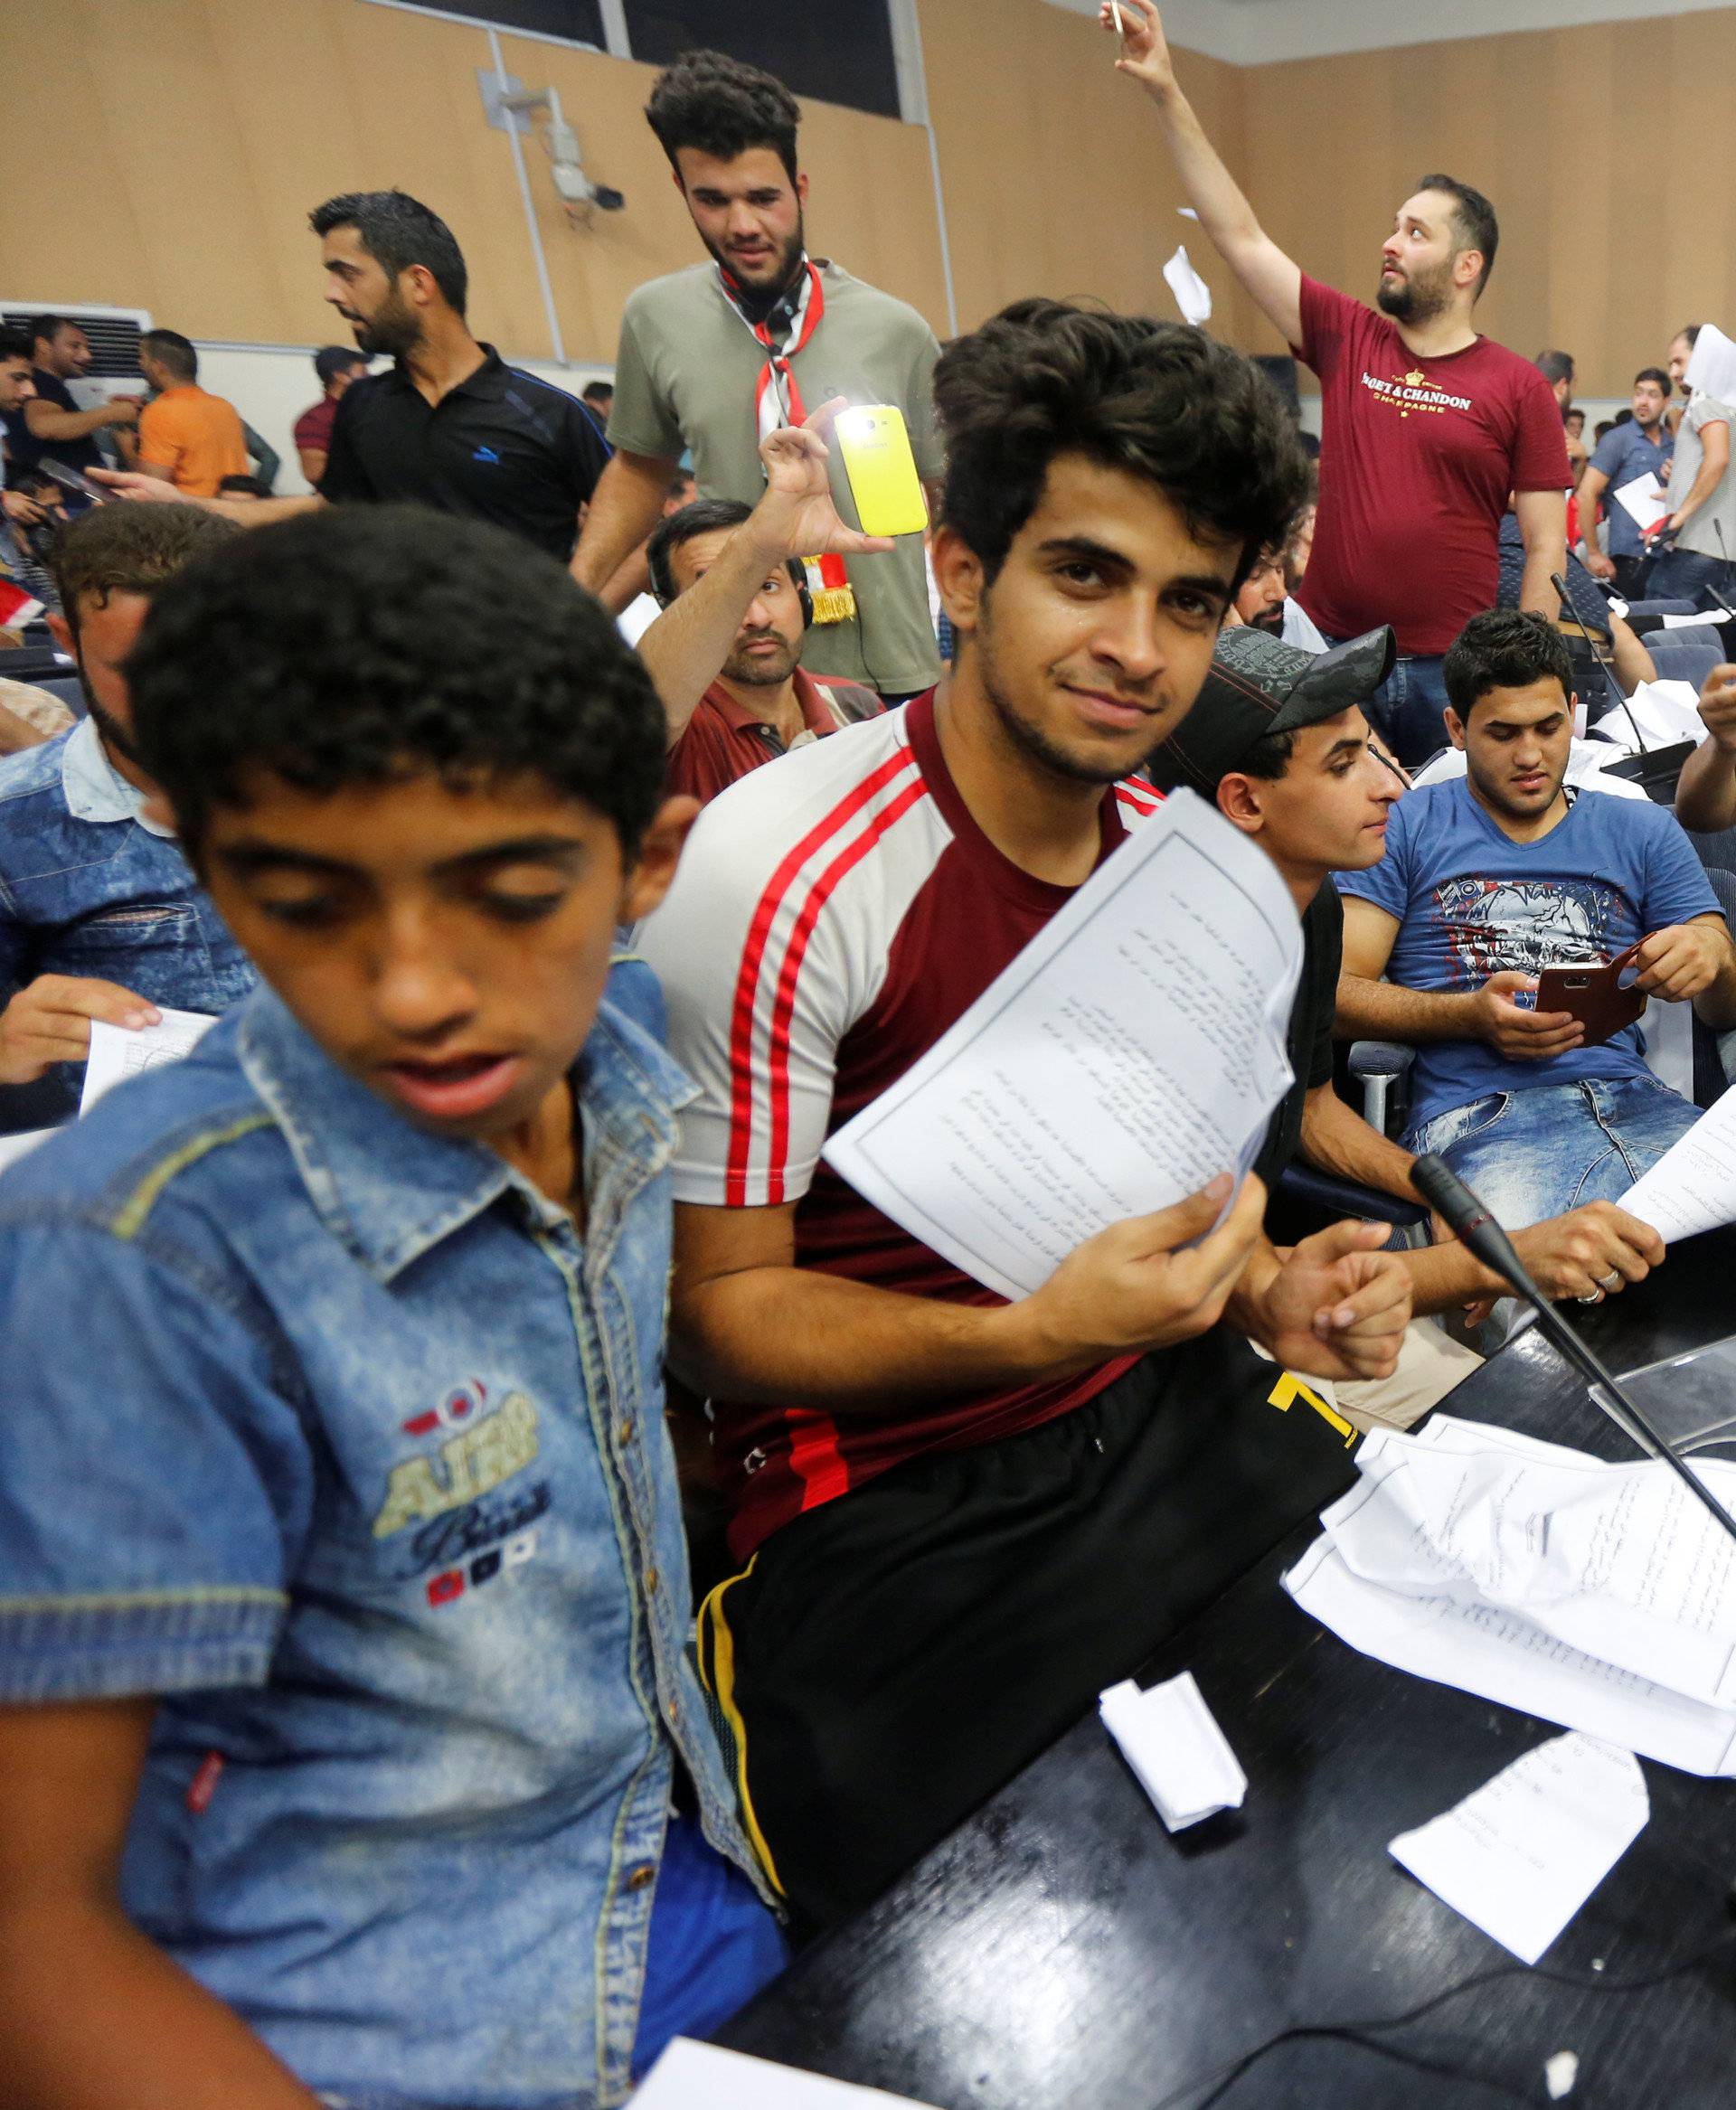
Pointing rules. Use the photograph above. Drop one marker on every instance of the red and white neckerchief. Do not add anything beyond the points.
(778, 400)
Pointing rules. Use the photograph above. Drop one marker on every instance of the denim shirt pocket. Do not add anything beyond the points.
(158, 939)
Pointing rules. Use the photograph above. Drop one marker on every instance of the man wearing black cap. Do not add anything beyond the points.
(1279, 742)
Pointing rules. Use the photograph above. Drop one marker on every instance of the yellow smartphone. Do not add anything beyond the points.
(881, 469)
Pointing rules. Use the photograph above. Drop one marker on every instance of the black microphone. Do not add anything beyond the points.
(1615, 696)
(1728, 613)
(1442, 1188)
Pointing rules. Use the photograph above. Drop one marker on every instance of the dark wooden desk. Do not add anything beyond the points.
(1061, 1951)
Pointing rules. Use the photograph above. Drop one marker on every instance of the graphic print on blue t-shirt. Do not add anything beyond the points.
(1470, 903)
(1523, 924)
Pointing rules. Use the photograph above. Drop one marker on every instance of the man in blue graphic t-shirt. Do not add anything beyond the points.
(1491, 878)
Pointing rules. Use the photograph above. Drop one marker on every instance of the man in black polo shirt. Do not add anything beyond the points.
(51, 423)
(451, 425)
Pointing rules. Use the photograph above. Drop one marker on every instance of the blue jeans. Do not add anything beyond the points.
(1535, 1154)
(1406, 709)
(1678, 575)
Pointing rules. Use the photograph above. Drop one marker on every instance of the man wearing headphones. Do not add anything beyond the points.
(725, 654)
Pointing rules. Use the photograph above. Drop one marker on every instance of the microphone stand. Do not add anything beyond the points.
(1654, 769)
(1474, 1225)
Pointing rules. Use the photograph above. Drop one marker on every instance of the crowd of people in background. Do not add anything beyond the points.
(571, 816)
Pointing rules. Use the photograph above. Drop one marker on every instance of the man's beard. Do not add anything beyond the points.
(770, 673)
(762, 293)
(1270, 620)
(1495, 795)
(1416, 300)
(392, 331)
(1030, 737)
(114, 733)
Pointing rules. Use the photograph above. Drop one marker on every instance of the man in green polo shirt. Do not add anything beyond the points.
(714, 357)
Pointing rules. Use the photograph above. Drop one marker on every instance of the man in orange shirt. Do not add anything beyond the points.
(185, 437)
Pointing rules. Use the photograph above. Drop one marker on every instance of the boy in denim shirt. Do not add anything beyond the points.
(100, 917)
(343, 1601)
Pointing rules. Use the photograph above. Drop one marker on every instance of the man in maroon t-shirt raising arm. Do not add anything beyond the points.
(1427, 426)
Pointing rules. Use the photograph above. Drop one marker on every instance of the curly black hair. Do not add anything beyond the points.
(1045, 378)
(1505, 648)
(362, 644)
(130, 548)
(398, 230)
(716, 104)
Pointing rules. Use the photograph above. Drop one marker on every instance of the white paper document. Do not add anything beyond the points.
(1131, 1052)
(1711, 365)
(1193, 295)
(1582, 1592)
(1645, 499)
(1665, 712)
(117, 1054)
(690, 2076)
(1692, 1188)
(1171, 1740)
(1699, 622)
(1522, 1855)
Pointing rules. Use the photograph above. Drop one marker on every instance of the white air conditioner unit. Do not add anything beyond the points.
(114, 334)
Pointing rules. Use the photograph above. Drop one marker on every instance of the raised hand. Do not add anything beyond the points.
(797, 516)
(1144, 53)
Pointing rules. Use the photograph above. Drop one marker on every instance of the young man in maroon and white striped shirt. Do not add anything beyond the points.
(958, 1519)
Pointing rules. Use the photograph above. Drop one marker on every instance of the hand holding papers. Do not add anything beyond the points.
(1601, 1597)
(1647, 500)
(1522, 1855)
(115, 1053)
(1134, 1050)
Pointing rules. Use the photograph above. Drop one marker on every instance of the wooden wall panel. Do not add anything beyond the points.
(1562, 129)
(210, 127)
(194, 134)
(1054, 175)
(871, 202)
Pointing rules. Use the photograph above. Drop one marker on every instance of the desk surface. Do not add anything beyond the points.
(1061, 1951)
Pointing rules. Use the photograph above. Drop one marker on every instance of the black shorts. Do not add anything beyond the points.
(888, 1660)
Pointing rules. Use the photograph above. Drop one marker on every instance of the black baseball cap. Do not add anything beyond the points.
(1258, 685)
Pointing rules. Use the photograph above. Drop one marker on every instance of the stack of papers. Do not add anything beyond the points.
(1665, 712)
(1598, 1596)
(1171, 1740)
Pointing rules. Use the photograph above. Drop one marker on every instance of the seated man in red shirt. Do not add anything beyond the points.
(757, 702)
(1426, 425)
(958, 1519)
